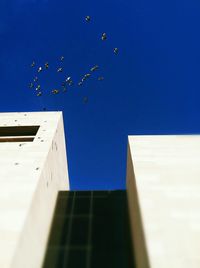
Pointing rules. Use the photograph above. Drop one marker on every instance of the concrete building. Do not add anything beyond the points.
(163, 183)
(163, 202)
(33, 169)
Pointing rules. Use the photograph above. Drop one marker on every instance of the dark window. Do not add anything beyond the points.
(18, 133)
(90, 230)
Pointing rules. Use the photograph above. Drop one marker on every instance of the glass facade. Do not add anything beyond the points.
(90, 230)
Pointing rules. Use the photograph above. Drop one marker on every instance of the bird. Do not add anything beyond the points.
(115, 50)
(55, 91)
(31, 85)
(46, 65)
(87, 75)
(39, 94)
(62, 58)
(59, 70)
(39, 69)
(69, 81)
(80, 83)
(94, 68)
(103, 37)
(87, 18)
(35, 79)
(33, 64)
(38, 87)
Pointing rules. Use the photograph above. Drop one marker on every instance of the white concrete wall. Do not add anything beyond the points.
(29, 189)
(163, 182)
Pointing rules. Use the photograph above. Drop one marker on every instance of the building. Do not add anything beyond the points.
(31, 145)
(164, 199)
(154, 224)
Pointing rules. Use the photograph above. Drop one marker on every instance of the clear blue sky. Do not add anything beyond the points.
(152, 86)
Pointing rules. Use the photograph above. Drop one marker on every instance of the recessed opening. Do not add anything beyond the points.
(18, 133)
(90, 229)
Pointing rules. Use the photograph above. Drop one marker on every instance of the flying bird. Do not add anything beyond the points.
(62, 58)
(38, 87)
(103, 37)
(94, 68)
(31, 85)
(116, 50)
(69, 81)
(55, 91)
(87, 75)
(35, 79)
(39, 69)
(39, 94)
(46, 65)
(87, 18)
(59, 70)
(33, 64)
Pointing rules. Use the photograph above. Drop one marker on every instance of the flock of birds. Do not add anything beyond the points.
(35, 84)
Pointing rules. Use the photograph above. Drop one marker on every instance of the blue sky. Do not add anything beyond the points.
(151, 87)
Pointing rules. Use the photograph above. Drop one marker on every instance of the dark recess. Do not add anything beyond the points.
(90, 229)
(18, 139)
(18, 131)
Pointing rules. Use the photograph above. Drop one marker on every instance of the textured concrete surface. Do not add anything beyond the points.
(163, 182)
(30, 177)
